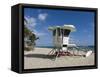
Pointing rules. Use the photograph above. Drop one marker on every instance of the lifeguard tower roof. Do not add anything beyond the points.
(68, 27)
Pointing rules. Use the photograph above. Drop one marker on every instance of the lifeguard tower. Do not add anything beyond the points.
(61, 38)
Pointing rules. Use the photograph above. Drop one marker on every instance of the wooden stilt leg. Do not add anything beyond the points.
(57, 55)
(51, 51)
(73, 53)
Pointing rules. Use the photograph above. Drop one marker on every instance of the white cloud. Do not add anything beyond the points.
(42, 16)
(30, 21)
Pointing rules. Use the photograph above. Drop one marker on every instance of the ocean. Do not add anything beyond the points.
(81, 48)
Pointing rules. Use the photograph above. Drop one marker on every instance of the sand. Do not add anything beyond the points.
(39, 58)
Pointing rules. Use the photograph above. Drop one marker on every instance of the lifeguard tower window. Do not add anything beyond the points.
(66, 32)
(58, 31)
(54, 32)
(61, 32)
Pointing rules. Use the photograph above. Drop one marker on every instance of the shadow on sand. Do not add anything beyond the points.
(44, 56)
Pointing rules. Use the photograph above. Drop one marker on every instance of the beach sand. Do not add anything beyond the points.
(39, 58)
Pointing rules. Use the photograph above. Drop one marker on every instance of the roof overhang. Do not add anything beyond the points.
(68, 27)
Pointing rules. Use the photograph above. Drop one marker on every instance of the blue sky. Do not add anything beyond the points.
(40, 19)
